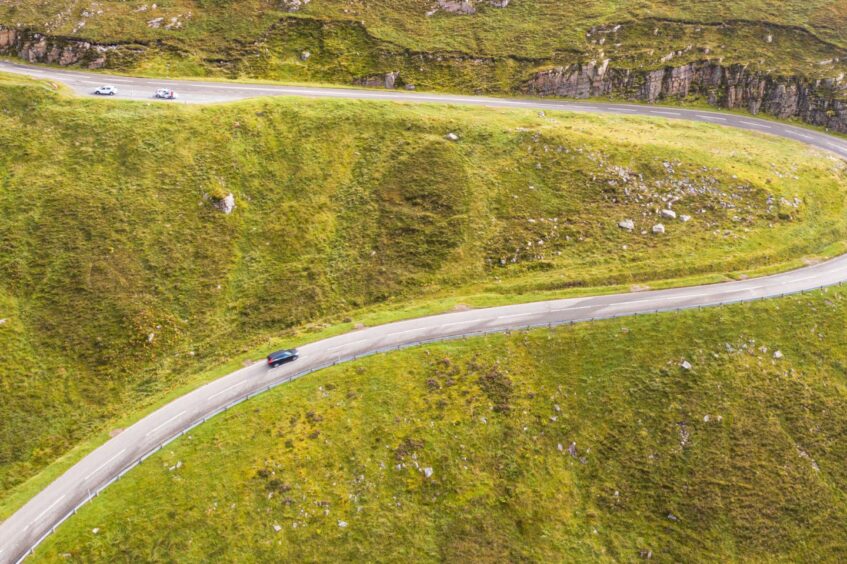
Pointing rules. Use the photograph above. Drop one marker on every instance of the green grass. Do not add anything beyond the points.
(495, 50)
(738, 459)
(347, 212)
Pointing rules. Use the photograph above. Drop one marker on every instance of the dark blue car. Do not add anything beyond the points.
(281, 357)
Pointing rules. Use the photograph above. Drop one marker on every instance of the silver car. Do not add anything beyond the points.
(106, 90)
(166, 94)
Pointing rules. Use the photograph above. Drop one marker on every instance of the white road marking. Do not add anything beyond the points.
(837, 146)
(225, 390)
(665, 113)
(52, 505)
(104, 465)
(346, 345)
(177, 416)
(459, 323)
(804, 136)
(792, 281)
(518, 315)
(407, 331)
(754, 124)
(575, 308)
(711, 117)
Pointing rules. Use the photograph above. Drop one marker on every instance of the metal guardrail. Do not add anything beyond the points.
(381, 350)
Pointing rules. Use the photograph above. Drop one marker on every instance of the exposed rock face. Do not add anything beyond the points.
(814, 101)
(467, 7)
(293, 5)
(387, 80)
(37, 48)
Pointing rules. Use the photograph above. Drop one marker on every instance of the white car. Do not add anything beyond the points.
(166, 94)
(106, 91)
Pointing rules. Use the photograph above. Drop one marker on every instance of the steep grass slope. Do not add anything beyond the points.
(585, 443)
(349, 38)
(120, 277)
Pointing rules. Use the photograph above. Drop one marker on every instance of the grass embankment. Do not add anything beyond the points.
(494, 50)
(583, 443)
(120, 283)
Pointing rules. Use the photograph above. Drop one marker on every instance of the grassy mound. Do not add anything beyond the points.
(121, 276)
(584, 443)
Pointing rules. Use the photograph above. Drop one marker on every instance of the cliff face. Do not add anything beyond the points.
(38, 48)
(819, 102)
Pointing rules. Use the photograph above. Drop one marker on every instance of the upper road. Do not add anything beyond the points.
(25, 529)
(199, 92)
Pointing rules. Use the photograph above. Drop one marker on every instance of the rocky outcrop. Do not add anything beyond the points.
(818, 102)
(387, 80)
(293, 5)
(38, 48)
(466, 7)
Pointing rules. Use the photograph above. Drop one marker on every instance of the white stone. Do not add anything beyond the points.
(627, 224)
(658, 229)
(670, 214)
(227, 204)
(452, 136)
(778, 355)
(342, 524)
(277, 528)
(685, 365)
(685, 218)
(428, 472)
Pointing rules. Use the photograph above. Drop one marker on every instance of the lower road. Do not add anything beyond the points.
(26, 528)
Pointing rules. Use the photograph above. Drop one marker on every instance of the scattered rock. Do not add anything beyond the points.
(3, 321)
(277, 528)
(226, 205)
(294, 5)
(95, 530)
(304, 56)
(452, 136)
(342, 524)
(464, 7)
(684, 435)
(627, 224)
(645, 553)
(658, 229)
(673, 517)
(670, 214)
(778, 355)
(685, 365)
(685, 218)
(428, 472)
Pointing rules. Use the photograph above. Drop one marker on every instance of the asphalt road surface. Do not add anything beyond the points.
(25, 529)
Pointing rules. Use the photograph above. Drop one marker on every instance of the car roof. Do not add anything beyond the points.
(283, 352)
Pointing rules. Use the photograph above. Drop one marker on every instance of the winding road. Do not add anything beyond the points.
(38, 518)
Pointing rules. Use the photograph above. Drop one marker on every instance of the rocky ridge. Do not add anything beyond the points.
(821, 102)
(818, 102)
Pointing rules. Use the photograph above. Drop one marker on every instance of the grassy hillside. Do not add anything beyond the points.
(494, 49)
(585, 443)
(120, 279)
